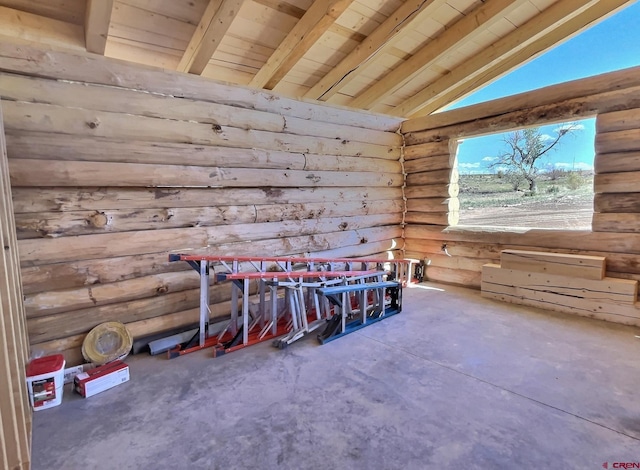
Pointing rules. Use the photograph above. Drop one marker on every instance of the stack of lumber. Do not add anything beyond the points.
(15, 411)
(566, 283)
(113, 166)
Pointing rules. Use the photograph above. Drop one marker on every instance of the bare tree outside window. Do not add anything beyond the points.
(524, 152)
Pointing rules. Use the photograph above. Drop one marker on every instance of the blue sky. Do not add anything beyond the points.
(611, 45)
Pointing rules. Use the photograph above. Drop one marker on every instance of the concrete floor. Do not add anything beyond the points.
(455, 381)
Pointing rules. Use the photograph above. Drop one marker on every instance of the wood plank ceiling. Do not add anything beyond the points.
(405, 58)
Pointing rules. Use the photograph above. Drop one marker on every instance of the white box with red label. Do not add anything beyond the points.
(101, 378)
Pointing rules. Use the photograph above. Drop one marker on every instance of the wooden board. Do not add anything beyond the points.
(582, 266)
(606, 290)
(15, 411)
(603, 310)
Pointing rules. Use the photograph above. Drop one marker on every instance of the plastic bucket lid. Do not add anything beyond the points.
(107, 342)
(45, 365)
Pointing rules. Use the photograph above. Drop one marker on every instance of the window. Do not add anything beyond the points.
(537, 177)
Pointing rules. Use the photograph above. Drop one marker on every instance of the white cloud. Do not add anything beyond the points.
(489, 159)
(546, 137)
(569, 126)
(469, 165)
(579, 166)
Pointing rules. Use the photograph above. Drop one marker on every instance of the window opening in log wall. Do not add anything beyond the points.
(535, 177)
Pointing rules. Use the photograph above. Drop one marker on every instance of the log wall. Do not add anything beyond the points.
(456, 254)
(113, 166)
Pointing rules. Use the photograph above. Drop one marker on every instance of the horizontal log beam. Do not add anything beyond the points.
(618, 121)
(97, 295)
(550, 95)
(441, 162)
(618, 264)
(562, 111)
(34, 252)
(433, 204)
(627, 182)
(28, 200)
(128, 101)
(57, 224)
(74, 274)
(433, 218)
(618, 222)
(456, 277)
(608, 290)
(37, 117)
(61, 147)
(75, 322)
(26, 59)
(443, 190)
(619, 141)
(437, 177)
(47, 173)
(557, 293)
(539, 238)
(617, 202)
(430, 149)
(617, 162)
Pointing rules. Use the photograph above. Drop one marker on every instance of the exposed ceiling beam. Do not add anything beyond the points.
(511, 46)
(410, 12)
(96, 25)
(315, 22)
(575, 26)
(463, 30)
(208, 35)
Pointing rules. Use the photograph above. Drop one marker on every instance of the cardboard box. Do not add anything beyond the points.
(71, 372)
(101, 378)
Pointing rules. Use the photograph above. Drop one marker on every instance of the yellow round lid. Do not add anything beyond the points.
(107, 342)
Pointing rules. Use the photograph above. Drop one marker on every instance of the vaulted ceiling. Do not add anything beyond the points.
(405, 58)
